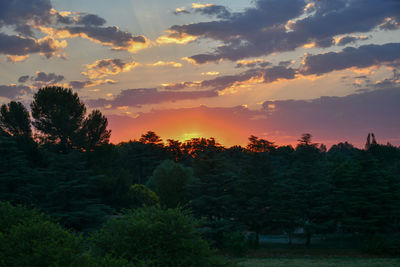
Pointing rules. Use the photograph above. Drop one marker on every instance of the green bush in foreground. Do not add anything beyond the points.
(156, 236)
(28, 238)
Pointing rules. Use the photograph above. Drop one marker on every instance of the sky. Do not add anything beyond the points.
(221, 68)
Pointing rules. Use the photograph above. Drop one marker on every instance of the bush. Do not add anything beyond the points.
(162, 237)
(28, 238)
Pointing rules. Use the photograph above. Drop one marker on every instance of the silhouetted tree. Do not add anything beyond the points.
(95, 130)
(15, 119)
(151, 138)
(58, 115)
(259, 145)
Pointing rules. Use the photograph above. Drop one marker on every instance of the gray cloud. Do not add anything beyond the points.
(139, 97)
(218, 11)
(17, 45)
(263, 30)
(23, 79)
(12, 91)
(111, 36)
(361, 57)
(50, 77)
(20, 12)
(91, 20)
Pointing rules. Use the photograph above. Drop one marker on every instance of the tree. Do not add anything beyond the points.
(259, 145)
(15, 119)
(151, 138)
(170, 182)
(95, 130)
(58, 115)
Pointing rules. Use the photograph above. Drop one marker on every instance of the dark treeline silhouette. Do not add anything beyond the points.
(66, 167)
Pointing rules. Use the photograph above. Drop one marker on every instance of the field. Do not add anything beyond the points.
(314, 262)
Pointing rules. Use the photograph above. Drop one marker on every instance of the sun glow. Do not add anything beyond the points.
(189, 136)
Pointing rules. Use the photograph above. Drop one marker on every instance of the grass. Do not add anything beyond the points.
(316, 262)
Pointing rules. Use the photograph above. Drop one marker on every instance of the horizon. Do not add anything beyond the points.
(274, 69)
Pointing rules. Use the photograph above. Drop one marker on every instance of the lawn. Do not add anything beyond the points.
(317, 262)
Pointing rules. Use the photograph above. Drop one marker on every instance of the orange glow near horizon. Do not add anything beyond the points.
(181, 126)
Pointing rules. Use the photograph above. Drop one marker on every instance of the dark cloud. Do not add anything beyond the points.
(265, 29)
(17, 45)
(50, 77)
(13, 91)
(218, 11)
(91, 20)
(361, 57)
(21, 12)
(139, 97)
(252, 64)
(111, 36)
(23, 79)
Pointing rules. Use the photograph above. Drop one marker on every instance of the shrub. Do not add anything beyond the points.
(162, 237)
(28, 238)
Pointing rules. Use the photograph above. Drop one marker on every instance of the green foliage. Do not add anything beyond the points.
(15, 119)
(170, 182)
(28, 238)
(142, 196)
(164, 237)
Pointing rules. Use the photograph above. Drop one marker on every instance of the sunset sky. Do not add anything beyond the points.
(220, 68)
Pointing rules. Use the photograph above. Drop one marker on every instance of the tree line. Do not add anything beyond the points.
(66, 167)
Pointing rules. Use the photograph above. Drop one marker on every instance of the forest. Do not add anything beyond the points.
(69, 197)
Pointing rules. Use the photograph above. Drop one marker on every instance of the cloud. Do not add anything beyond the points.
(166, 63)
(218, 11)
(104, 67)
(86, 84)
(90, 20)
(284, 25)
(252, 76)
(20, 46)
(108, 36)
(14, 58)
(350, 39)
(252, 63)
(19, 13)
(361, 57)
(12, 91)
(181, 10)
(139, 97)
(44, 77)
(23, 79)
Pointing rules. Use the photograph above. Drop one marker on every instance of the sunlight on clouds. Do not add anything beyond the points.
(165, 63)
(175, 38)
(130, 45)
(210, 73)
(309, 45)
(104, 67)
(15, 58)
(198, 5)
